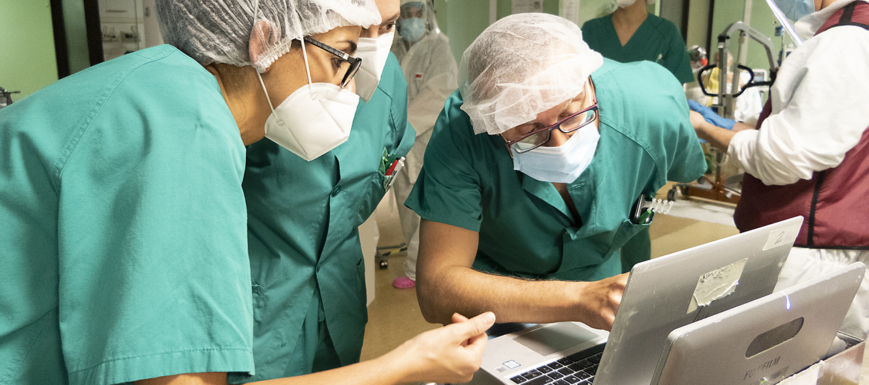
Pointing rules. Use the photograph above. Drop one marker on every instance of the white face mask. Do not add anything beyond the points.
(562, 164)
(312, 120)
(373, 53)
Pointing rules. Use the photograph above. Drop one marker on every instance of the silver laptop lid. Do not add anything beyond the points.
(764, 341)
(675, 290)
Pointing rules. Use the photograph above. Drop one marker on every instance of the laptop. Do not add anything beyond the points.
(763, 341)
(661, 295)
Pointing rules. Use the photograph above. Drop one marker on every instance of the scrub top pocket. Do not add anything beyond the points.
(360, 278)
(626, 231)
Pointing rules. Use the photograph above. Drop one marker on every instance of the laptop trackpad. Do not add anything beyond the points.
(555, 338)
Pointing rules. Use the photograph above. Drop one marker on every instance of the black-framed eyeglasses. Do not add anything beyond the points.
(539, 137)
(355, 62)
(567, 125)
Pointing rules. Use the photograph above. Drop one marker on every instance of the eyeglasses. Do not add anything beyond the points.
(539, 137)
(355, 62)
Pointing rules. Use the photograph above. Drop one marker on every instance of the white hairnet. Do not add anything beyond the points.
(520, 66)
(219, 31)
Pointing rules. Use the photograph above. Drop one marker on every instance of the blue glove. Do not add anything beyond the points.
(710, 116)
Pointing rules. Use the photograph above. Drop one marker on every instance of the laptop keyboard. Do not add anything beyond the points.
(578, 368)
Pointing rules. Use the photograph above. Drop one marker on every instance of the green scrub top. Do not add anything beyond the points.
(124, 251)
(656, 40)
(305, 255)
(525, 228)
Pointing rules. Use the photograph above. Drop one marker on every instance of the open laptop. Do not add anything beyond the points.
(763, 341)
(661, 295)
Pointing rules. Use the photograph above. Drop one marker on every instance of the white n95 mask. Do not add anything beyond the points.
(314, 119)
(562, 164)
(373, 53)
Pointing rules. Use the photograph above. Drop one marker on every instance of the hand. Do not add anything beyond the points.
(697, 121)
(451, 354)
(599, 301)
(710, 116)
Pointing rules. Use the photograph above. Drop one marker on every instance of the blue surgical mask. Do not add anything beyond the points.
(796, 9)
(412, 29)
(562, 164)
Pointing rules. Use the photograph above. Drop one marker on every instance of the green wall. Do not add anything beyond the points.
(698, 22)
(27, 61)
(762, 19)
(463, 20)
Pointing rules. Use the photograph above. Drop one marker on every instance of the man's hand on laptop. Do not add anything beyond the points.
(598, 301)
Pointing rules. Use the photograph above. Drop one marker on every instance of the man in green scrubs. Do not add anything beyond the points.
(306, 261)
(631, 34)
(521, 234)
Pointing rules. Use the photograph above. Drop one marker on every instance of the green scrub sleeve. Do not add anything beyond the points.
(672, 142)
(448, 187)
(686, 161)
(154, 274)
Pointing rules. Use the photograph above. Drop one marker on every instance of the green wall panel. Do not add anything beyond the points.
(27, 61)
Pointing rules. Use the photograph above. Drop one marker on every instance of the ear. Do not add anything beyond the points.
(260, 40)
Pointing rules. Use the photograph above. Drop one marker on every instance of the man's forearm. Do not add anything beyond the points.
(460, 289)
(739, 126)
(717, 136)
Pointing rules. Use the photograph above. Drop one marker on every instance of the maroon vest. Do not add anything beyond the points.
(835, 202)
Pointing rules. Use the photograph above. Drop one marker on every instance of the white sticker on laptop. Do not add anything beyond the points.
(716, 284)
(781, 237)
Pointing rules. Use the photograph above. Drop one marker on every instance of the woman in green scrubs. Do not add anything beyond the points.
(532, 172)
(631, 34)
(124, 239)
(303, 218)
